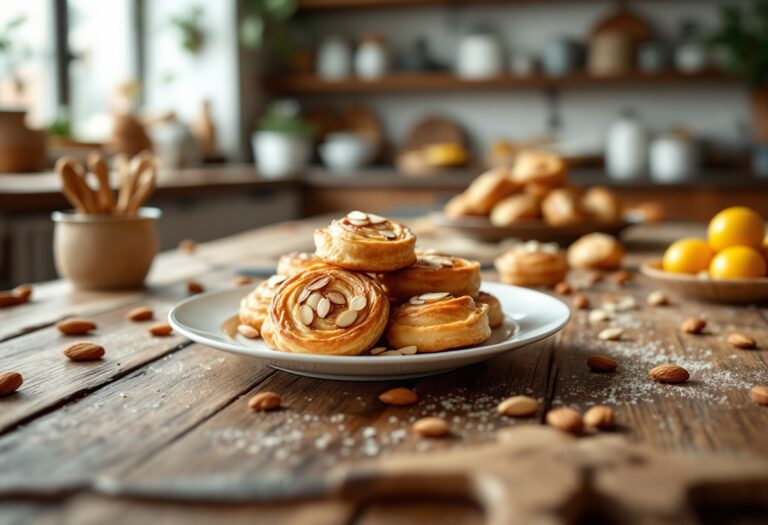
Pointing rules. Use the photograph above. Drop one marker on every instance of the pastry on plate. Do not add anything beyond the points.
(596, 251)
(539, 166)
(603, 205)
(366, 242)
(516, 208)
(495, 313)
(326, 310)
(540, 189)
(434, 322)
(433, 272)
(458, 207)
(253, 307)
(488, 189)
(296, 262)
(532, 264)
(562, 207)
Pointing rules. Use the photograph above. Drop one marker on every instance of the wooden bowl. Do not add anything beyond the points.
(480, 228)
(728, 291)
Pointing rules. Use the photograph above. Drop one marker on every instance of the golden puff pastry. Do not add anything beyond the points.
(296, 262)
(253, 307)
(326, 310)
(532, 264)
(366, 242)
(562, 207)
(495, 313)
(435, 322)
(488, 189)
(458, 207)
(517, 208)
(603, 205)
(539, 166)
(596, 251)
(433, 272)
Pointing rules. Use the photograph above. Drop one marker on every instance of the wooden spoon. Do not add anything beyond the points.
(105, 197)
(145, 186)
(70, 187)
(122, 164)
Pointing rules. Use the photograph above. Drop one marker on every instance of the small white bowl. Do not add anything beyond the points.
(345, 152)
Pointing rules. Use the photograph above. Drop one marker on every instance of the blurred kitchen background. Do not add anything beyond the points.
(268, 110)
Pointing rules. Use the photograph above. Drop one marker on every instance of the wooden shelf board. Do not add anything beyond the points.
(320, 5)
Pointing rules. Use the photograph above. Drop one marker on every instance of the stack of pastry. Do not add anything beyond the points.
(364, 282)
(534, 188)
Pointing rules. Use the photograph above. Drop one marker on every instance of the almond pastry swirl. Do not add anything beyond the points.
(253, 307)
(296, 262)
(326, 310)
(433, 272)
(366, 242)
(434, 322)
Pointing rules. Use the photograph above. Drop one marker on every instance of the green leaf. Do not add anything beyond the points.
(252, 31)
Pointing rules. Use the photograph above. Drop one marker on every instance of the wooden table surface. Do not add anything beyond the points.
(162, 409)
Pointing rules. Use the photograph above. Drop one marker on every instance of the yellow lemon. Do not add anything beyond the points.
(737, 226)
(737, 262)
(688, 255)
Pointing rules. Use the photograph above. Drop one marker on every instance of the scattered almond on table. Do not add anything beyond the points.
(19, 295)
(518, 406)
(242, 280)
(601, 363)
(580, 302)
(265, 401)
(657, 298)
(669, 374)
(10, 383)
(595, 277)
(597, 316)
(194, 287)
(613, 333)
(23, 292)
(160, 329)
(563, 288)
(693, 325)
(432, 427)
(599, 417)
(84, 352)
(621, 277)
(566, 419)
(742, 341)
(399, 397)
(141, 313)
(759, 395)
(75, 326)
(188, 246)
(248, 331)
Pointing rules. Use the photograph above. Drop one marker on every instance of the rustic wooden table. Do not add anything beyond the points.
(160, 409)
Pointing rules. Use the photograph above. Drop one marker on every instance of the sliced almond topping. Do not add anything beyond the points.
(248, 331)
(597, 316)
(378, 350)
(388, 234)
(323, 307)
(611, 334)
(416, 301)
(318, 283)
(346, 318)
(357, 223)
(306, 315)
(276, 279)
(336, 298)
(390, 352)
(357, 216)
(358, 302)
(408, 350)
(376, 219)
(434, 296)
(304, 295)
(313, 299)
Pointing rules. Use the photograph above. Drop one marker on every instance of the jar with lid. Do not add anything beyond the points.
(371, 57)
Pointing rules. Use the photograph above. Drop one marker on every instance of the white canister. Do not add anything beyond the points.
(334, 59)
(371, 58)
(626, 149)
(479, 56)
(279, 154)
(691, 58)
(673, 158)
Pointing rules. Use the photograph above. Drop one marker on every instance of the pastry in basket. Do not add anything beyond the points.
(366, 242)
(326, 310)
(539, 166)
(603, 205)
(495, 313)
(296, 262)
(488, 189)
(458, 207)
(562, 207)
(434, 322)
(596, 251)
(433, 272)
(532, 264)
(253, 307)
(517, 208)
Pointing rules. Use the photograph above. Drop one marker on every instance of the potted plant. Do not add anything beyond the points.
(189, 26)
(281, 144)
(742, 39)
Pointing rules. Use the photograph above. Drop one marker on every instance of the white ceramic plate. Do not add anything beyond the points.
(530, 316)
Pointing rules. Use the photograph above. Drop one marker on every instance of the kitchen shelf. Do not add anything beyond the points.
(447, 82)
(320, 5)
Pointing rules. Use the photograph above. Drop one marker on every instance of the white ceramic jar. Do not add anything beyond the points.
(626, 149)
(673, 158)
(279, 154)
(479, 56)
(371, 58)
(334, 59)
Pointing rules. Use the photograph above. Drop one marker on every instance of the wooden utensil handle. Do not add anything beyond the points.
(105, 197)
(69, 185)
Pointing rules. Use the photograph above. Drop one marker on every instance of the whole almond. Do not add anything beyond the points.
(248, 331)
(188, 246)
(613, 333)
(242, 280)
(563, 288)
(622, 277)
(160, 329)
(565, 419)
(580, 302)
(10, 382)
(657, 298)
(75, 326)
(23, 292)
(693, 325)
(600, 417)
(742, 341)
(430, 427)
(141, 313)
(601, 363)
(84, 352)
(9, 299)
(518, 406)
(669, 374)
(399, 396)
(595, 277)
(195, 287)
(265, 401)
(759, 395)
